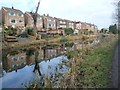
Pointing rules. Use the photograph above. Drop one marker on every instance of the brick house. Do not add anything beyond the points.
(49, 22)
(29, 22)
(12, 17)
(60, 23)
(70, 24)
(78, 25)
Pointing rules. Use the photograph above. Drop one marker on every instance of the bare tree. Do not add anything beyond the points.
(34, 15)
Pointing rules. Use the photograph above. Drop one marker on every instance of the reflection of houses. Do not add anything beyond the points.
(14, 61)
(30, 23)
(18, 60)
(30, 60)
(30, 56)
(40, 56)
(50, 52)
(12, 17)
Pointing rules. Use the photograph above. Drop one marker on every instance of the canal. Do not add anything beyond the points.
(22, 67)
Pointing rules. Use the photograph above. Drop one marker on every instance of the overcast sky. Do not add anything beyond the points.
(98, 12)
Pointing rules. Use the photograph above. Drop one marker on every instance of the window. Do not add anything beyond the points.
(12, 14)
(49, 19)
(49, 25)
(40, 23)
(12, 21)
(39, 17)
(20, 21)
(20, 14)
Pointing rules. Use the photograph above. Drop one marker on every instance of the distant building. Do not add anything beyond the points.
(12, 17)
(29, 22)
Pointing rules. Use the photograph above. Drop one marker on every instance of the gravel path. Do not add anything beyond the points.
(116, 69)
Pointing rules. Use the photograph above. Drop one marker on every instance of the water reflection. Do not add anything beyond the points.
(28, 64)
(25, 65)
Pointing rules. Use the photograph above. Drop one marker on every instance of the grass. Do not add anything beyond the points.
(93, 65)
(96, 66)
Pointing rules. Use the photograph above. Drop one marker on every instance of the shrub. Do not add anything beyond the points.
(69, 31)
(10, 31)
(30, 31)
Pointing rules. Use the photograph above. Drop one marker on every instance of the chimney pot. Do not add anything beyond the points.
(12, 7)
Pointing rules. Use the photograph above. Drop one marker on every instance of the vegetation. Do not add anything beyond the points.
(92, 66)
(103, 30)
(113, 29)
(24, 35)
(30, 31)
(96, 66)
(10, 31)
(69, 31)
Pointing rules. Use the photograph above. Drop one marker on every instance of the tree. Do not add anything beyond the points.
(69, 31)
(103, 30)
(113, 29)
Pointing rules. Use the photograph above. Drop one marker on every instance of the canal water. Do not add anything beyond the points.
(29, 64)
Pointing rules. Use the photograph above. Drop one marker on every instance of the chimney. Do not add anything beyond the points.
(47, 14)
(12, 7)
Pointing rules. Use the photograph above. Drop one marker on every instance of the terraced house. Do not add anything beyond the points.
(50, 23)
(29, 22)
(70, 24)
(60, 23)
(16, 18)
(12, 17)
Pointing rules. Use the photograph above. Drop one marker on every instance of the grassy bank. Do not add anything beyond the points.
(96, 67)
(17, 45)
(88, 67)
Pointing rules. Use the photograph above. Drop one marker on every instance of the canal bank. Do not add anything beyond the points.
(18, 61)
(90, 68)
(80, 50)
(32, 42)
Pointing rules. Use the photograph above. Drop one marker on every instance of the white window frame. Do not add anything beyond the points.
(20, 15)
(12, 22)
(11, 14)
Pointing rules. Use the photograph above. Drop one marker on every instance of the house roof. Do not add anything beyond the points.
(12, 10)
(31, 13)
